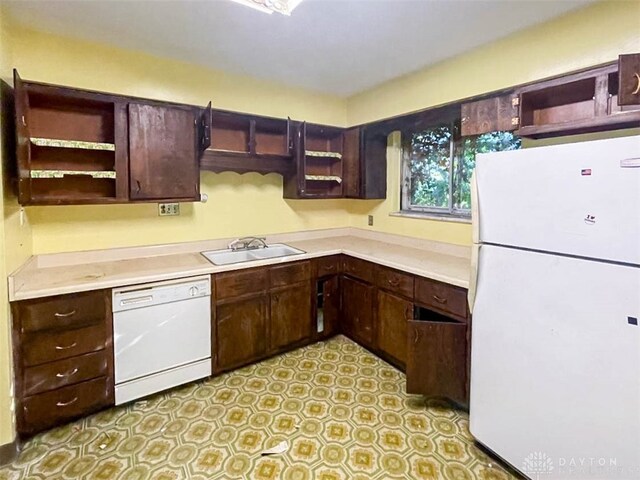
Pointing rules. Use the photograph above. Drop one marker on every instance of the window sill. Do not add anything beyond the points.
(432, 216)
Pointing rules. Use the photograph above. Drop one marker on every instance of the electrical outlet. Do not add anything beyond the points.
(166, 209)
(370, 221)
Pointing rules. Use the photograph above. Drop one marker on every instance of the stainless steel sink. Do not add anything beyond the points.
(228, 256)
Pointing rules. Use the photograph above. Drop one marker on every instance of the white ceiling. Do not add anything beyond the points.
(338, 47)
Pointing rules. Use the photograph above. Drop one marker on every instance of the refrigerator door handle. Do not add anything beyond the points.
(475, 210)
(473, 280)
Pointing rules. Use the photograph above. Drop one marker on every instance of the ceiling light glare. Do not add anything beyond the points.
(285, 7)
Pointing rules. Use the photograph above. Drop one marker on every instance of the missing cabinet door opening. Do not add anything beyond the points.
(423, 314)
(320, 306)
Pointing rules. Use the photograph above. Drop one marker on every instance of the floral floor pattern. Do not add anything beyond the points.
(342, 411)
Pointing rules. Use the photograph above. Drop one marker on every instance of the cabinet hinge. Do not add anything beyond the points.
(515, 101)
(515, 121)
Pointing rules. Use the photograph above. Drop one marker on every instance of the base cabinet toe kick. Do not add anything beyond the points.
(78, 353)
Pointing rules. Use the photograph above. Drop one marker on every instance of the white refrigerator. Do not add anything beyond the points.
(555, 297)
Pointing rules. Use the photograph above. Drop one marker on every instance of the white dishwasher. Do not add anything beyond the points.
(162, 336)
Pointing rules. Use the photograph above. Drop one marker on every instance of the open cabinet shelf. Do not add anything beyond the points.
(583, 102)
(68, 144)
(327, 155)
(319, 163)
(245, 143)
(323, 178)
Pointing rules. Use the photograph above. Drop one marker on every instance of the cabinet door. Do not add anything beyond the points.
(393, 314)
(351, 163)
(294, 182)
(489, 115)
(163, 153)
(357, 309)
(241, 331)
(23, 143)
(629, 79)
(290, 316)
(373, 164)
(331, 308)
(437, 359)
(204, 128)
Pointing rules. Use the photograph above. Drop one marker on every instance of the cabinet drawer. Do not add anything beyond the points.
(243, 282)
(326, 266)
(41, 348)
(55, 407)
(442, 297)
(359, 269)
(62, 312)
(397, 282)
(290, 274)
(64, 372)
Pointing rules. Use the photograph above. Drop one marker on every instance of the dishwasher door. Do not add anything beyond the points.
(161, 327)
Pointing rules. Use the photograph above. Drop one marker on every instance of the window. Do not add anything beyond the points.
(438, 164)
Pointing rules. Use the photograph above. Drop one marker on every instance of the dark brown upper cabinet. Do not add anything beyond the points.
(582, 102)
(332, 162)
(629, 79)
(249, 143)
(318, 158)
(490, 115)
(83, 147)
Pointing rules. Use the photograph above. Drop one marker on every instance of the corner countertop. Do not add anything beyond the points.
(55, 274)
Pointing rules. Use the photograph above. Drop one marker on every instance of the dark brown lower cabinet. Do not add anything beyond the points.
(357, 309)
(290, 316)
(63, 358)
(437, 359)
(393, 314)
(241, 331)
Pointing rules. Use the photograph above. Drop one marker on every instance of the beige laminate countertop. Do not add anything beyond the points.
(56, 274)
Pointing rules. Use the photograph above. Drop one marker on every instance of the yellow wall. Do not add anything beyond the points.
(238, 205)
(589, 36)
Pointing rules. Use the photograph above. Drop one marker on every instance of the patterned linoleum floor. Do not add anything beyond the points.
(343, 411)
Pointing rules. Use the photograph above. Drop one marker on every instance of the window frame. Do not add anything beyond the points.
(455, 147)
(405, 184)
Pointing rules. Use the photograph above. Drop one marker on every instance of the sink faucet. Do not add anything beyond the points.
(248, 243)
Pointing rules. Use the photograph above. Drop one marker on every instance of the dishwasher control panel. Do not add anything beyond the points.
(157, 293)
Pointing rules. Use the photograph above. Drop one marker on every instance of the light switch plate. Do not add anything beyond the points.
(370, 220)
(167, 209)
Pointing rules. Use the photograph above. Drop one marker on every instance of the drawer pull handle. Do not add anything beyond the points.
(329, 267)
(637, 90)
(439, 299)
(67, 374)
(66, 404)
(64, 315)
(67, 347)
(394, 282)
